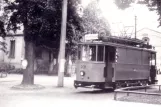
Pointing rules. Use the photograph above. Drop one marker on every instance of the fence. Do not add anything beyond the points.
(128, 90)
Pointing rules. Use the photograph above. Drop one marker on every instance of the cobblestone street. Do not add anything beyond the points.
(51, 95)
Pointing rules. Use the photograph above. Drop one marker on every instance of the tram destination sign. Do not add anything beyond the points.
(89, 37)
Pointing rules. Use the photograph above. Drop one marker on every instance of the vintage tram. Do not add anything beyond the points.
(115, 62)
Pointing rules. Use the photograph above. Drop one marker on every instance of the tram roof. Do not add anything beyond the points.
(114, 45)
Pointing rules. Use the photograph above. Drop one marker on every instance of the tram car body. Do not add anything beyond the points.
(115, 63)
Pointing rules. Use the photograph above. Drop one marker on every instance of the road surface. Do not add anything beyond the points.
(52, 96)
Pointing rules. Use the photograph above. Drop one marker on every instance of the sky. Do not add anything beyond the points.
(119, 20)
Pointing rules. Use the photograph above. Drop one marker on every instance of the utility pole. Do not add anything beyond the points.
(135, 25)
(62, 45)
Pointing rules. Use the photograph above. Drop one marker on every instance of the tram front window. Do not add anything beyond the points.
(85, 56)
(91, 53)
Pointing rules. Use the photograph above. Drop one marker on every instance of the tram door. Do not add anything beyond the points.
(153, 67)
(109, 60)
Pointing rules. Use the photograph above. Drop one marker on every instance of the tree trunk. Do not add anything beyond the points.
(69, 65)
(51, 66)
(28, 73)
(57, 64)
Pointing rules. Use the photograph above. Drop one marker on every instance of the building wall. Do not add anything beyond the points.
(155, 40)
(19, 51)
(41, 63)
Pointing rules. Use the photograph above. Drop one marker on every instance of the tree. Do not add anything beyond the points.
(2, 35)
(42, 21)
(123, 4)
(3, 20)
(93, 20)
(153, 5)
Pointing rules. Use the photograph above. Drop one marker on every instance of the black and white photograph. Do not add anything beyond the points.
(80, 53)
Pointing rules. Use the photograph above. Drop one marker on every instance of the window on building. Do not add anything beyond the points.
(12, 49)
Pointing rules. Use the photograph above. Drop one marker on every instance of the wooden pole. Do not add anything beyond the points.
(135, 26)
(62, 45)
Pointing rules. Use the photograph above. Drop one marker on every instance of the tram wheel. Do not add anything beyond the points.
(144, 83)
(116, 86)
(102, 87)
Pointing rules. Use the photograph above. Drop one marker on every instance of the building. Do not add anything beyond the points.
(15, 48)
(154, 38)
(16, 53)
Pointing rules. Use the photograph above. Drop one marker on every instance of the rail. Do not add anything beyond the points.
(128, 90)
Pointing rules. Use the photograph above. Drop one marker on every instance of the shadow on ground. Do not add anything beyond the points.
(95, 91)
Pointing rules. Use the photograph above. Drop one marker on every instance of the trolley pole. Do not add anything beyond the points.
(135, 25)
(61, 57)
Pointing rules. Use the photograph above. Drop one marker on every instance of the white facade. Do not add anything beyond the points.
(154, 40)
(18, 50)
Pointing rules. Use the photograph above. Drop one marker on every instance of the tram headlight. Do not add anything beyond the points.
(82, 73)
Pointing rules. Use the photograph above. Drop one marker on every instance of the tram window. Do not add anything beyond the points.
(153, 56)
(153, 62)
(88, 53)
(106, 53)
(100, 52)
(152, 59)
(85, 53)
(92, 52)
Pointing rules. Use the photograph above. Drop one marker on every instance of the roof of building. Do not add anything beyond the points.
(149, 29)
(153, 31)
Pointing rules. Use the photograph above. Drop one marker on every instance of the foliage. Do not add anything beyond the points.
(2, 30)
(123, 4)
(93, 20)
(42, 20)
(75, 27)
(156, 3)
(3, 20)
(151, 4)
(2, 35)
